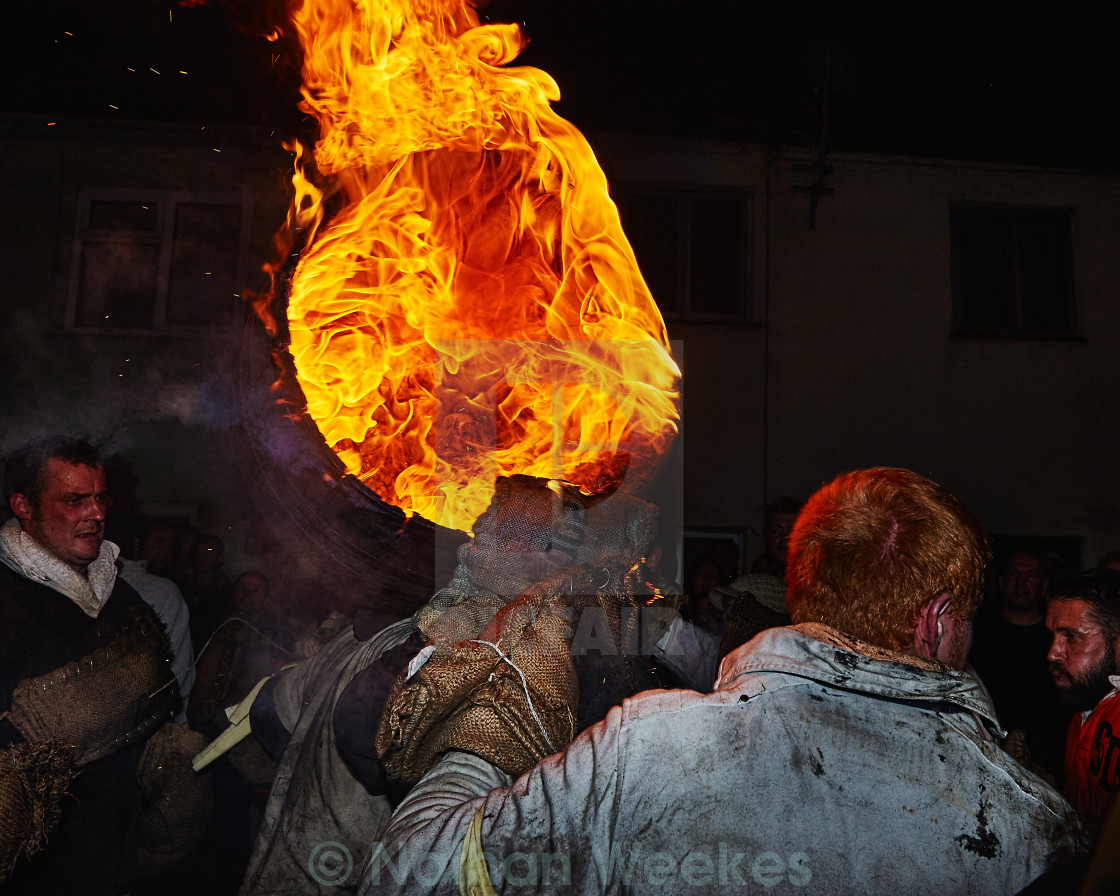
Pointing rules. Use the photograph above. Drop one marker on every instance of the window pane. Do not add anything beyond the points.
(106, 214)
(651, 224)
(117, 285)
(204, 264)
(717, 256)
(981, 269)
(1045, 272)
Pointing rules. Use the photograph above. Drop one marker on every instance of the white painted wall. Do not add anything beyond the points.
(854, 364)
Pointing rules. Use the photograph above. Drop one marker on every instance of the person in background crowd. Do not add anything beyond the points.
(850, 751)
(207, 588)
(725, 554)
(147, 539)
(761, 594)
(186, 536)
(1084, 616)
(159, 548)
(1009, 650)
(766, 580)
(252, 643)
(1111, 560)
(705, 577)
(780, 516)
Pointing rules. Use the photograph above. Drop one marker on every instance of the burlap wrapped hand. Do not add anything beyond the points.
(512, 695)
(509, 696)
(178, 801)
(33, 780)
(113, 697)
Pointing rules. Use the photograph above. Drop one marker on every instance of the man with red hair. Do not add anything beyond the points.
(849, 751)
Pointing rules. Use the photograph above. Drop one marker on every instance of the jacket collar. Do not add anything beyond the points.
(792, 652)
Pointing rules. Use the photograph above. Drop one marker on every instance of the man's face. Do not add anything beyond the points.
(159, 547)
(777, 534)
(69, 520)
(250, 593)
(1022, 583)
(704, 579)
(1081, 658)
(208, 558)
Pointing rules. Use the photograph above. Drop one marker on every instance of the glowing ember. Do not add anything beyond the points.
(470, 306)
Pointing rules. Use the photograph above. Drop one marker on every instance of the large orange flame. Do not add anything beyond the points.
(470, 307)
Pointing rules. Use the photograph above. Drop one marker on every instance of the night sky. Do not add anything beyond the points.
(985, 81)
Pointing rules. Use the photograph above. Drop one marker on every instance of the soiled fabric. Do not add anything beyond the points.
(811, 768)
(355, 727)
(320, 821)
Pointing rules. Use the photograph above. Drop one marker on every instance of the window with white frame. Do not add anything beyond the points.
(694, 250)
(157, 260)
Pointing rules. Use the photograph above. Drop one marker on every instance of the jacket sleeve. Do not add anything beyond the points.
(550, 830)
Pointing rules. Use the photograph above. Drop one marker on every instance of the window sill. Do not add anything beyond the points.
(1006, 336)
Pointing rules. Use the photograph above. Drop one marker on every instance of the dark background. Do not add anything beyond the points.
(987, 81)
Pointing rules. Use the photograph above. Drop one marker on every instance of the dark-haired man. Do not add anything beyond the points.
(849, 753)
(780, 516)
(85, 678)
(1009, 654)
(1084, 615)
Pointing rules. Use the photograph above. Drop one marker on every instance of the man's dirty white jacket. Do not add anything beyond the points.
(811, 769)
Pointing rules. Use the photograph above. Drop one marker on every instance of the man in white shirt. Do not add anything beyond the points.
(163, 596)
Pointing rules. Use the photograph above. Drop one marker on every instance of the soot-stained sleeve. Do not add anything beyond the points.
(561, 814)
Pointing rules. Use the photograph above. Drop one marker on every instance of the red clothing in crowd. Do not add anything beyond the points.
(1093, 761)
